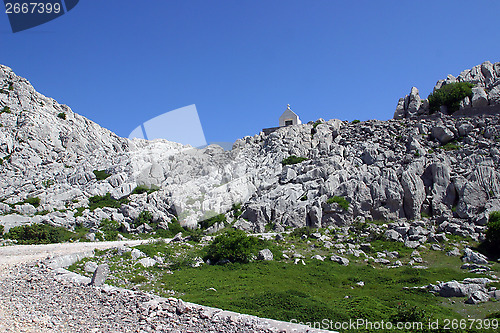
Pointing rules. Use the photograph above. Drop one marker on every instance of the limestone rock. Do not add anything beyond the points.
(265, 254)
(100, 275)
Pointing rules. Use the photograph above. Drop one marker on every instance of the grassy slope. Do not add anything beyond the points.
(284, 291)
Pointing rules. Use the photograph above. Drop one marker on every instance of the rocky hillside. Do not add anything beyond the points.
(486, 92)
(55, 163)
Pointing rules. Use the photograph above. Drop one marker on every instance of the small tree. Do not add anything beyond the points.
(492, 241)
(450, 95)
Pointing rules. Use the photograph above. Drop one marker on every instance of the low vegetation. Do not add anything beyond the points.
(61, 115)
(100, 201)
(101, 174)
(145, 189)
(233, 246)
(491, 244)
(341, 201)
(450, 96)
(356, 121)
(5, 109)
(39, 234)
(282, 290)
(293, 160)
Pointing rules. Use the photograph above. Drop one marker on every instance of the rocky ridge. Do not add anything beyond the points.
(486, 92)
(441, 170)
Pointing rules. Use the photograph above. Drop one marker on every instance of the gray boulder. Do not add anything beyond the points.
(478, 297)
(479, 97)
(340, 260)
(474, 257)
(90, 266)
(265, 254)
(442, 134)
(100, 275)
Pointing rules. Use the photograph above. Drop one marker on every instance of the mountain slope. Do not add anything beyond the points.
(440, 169)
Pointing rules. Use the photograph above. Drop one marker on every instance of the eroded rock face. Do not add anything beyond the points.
(486, 92)
(446, 168)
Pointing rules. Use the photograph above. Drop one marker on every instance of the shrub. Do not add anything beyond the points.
(11, 86)
(298, 232)
(205, 224)
(144, 217)
(6, 109)
(492, 239)
(144, 189)
(237, 211)
(1, 229)
(450, 95)
(293, 160)
(34, 201)
(110, 229)
(61, 115)
(356, 121)
(233, 245)
(406, 313)
(38, 234)
(99, 201)
(316, 124)
(341, 201)
(101, 174)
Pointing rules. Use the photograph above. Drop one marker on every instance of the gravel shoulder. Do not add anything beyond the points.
(35, 298)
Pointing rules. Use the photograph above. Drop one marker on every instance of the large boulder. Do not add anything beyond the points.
(100, 275)
(479, 97)
(442, 134)
(265, 255)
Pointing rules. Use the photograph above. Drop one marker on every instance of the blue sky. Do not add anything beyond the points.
(121, 63)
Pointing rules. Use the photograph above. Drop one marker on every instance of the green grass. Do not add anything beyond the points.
(34, 201)
(99, 201)
(285, 291)
(341, 201)
(101, 174)
(40, 234)
(145, 189)
(207, 223)
(318, 290)
(293, 160)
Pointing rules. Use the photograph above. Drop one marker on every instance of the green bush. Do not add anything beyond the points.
(492, 240)
(356, 121)
(6, 109)
(34, 201)
(61, 115)
(237, 211)
(144, 217)
(316, 124)
(233, 245)
(39, 234)
(293, 160)
(450, 95)
(101, 174)
(99, 201)
(110, 229)
(1, 229)
(341, 201)
(205, 224)
(145, 189)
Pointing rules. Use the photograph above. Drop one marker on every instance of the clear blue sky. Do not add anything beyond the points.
(121, 63)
